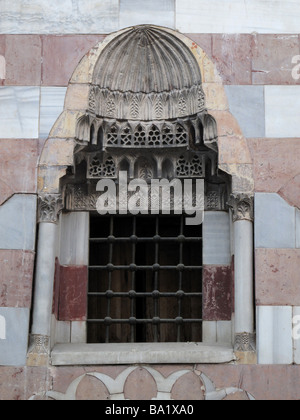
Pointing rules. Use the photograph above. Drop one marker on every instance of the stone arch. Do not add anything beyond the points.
(72, 131)
(234, 155)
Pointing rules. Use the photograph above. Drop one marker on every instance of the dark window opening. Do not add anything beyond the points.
(145, 280)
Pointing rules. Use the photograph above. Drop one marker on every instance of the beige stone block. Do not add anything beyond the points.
(227, 124)
(77, 98)
(246, 357)
(242, 177)
(234, 149)
(208, 70)
(216, 98)
(58, 152)
(81, 73)
(65, 126)
(49, 177)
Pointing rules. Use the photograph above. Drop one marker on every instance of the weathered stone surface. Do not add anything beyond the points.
(52, 105)
(274, 163)
(16, 278)
(13, 348)
(18, 223)
(238, 17)
(61, 55)
(271, 68)
(42, 17)
(23, 60)
(247, 104)
(297, 229)
(188, 388)
(17, 175)
(233, 57)
(291, 192)
(217, 293)
(203, 40)
(237, 396)
(140, 353)
(49, 178)
(140, 386)
(160, 12)
(233, 150)
(216, 98)
(65, 126)
(72, 293)
(277, 277)
(91, 389)
(58, 152)
(275, 222)
(77, 97)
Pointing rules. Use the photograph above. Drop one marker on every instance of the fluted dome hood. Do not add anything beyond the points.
(146, 74)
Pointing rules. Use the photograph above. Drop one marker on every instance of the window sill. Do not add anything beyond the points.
(123, 354)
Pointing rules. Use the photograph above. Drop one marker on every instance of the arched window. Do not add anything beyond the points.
(147, 277)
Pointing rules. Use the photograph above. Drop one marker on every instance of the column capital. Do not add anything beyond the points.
(242, 206)
(245, 342)
(39, 351)
(49, 207)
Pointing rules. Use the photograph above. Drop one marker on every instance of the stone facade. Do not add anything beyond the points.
(249, 63)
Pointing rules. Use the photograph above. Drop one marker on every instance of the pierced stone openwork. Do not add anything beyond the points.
(146, 116)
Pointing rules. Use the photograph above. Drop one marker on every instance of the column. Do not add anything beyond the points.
(49, 207)
(242, 206)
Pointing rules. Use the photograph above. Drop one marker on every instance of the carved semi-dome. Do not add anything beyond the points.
(146, 74)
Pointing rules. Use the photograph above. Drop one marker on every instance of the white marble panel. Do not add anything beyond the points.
(78, 332)
(58, 17)
(247, 105)
(282, 111)
(217, 332)
(19, 112)
(18, 223)
(296, 334)
(157, 12)
(274, 222)
(236, 16)
(52, 105)
(297, 228)
(274, 335)
(13, 345)
(74, 239)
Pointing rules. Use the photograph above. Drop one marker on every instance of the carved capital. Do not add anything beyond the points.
(242, 206)
(245, 342)
(39, 351)
(49, 207)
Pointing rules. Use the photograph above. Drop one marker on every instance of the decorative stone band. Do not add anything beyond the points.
(39, 351)
(245, 342)
(242, 206)
(49, 207)
(147, 106)
(105, 132)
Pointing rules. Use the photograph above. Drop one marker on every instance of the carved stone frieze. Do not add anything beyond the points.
(245, 342)
(39, 351)
(242, 206)
(49, 207)
(164, 385)
(137, 77)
